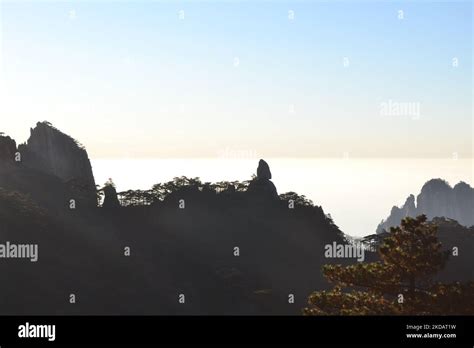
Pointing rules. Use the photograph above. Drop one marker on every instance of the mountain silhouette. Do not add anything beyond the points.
(229, 247)
(436, 199)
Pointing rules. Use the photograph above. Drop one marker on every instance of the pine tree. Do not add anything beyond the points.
(400, 283)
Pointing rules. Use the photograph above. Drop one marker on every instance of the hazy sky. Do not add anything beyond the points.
(290, 79)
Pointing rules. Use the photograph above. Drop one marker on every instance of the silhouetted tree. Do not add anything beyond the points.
(297, 199)
(401, 283)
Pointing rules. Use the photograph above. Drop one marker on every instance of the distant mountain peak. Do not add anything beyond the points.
(436, 199)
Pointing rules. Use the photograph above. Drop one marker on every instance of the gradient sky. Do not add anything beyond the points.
(133, 79)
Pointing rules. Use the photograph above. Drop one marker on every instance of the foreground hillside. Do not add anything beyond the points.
(182, 247)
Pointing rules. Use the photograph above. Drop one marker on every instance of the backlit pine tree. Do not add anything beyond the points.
(400, 283)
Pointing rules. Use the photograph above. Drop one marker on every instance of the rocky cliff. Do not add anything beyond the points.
(436, 199)
(7, 150)
(54, 153)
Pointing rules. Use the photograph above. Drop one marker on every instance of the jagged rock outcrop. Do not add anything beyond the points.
(52, 152)
(7, 150)
(436, 199)
(110, 197)
(463, 196)
(397, 214)
(262, 186)
(263, 171)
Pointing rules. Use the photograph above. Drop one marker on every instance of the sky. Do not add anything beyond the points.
(169, 79)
